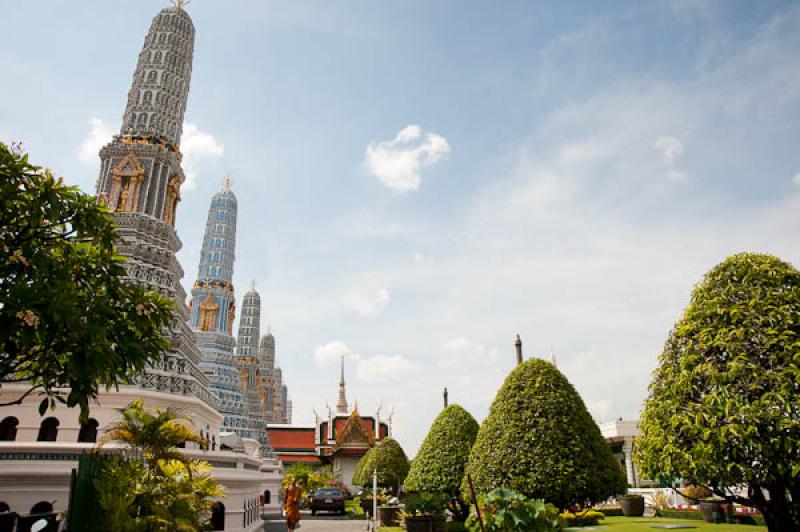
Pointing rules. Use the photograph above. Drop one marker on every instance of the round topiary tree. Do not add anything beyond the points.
(540, 440)
(440, 462)
(390, 460)
(724, 403)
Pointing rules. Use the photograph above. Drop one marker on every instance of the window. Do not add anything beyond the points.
(88, 432)
(218, 516)
(8, 429)
(48, 431)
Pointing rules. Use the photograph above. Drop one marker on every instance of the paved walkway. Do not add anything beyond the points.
(318, 523)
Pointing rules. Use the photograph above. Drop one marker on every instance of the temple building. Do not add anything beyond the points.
(340, 439)
(266, 395)
(213, 308)
(140, 180)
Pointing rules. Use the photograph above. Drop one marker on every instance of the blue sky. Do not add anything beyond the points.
(420, 181)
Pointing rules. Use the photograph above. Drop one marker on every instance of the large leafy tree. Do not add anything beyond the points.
(391, 462)
(67, 317)
(724, 403)
(540, 440)
(440, 462)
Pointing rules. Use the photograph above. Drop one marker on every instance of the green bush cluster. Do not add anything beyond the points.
(610, 511)
(539, 439)
(582, 518)
(440, 462)
(505, 510)
(390, 460)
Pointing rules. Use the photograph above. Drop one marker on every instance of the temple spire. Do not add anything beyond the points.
(341, 405)
(445, 396)
(518, 345)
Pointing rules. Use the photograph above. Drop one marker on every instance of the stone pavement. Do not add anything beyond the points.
(319, 523)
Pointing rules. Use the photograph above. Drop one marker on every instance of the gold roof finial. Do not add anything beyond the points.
(227, 182)
(180, 3)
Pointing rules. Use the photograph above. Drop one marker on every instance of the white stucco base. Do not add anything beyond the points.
(33, 471)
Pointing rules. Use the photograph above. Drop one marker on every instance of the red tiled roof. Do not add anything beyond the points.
(291, 438)
(294, 458)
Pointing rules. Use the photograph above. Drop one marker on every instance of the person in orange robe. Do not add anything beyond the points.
(291, 505)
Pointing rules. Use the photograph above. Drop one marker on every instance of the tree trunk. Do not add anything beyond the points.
(780, 514)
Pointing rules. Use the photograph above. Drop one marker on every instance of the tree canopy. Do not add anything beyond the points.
(67, 317)
(540, 440)
(439, 464)
(390, 460)
(724, 403)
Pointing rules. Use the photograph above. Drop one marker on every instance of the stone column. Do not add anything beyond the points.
(627, 450)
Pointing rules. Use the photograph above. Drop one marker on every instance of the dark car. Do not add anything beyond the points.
(327, 500)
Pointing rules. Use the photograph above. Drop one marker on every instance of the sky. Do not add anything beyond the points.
(418, 182)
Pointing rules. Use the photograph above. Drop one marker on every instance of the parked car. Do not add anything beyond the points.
(327, 500)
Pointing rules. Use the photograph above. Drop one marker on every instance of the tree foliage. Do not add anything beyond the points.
(155, 434)
(166, 491)
(724, 402)
(540, 440)
(390, 460)
(309, 478)
(440, 462)
(67, 318)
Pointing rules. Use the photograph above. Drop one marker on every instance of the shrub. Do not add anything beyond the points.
(696, 492)
(391, 462)
(439, 465)
(610, 511)
(440, 462)
(582, 518)
(724, 400)
(540, 440)
(425, 503)
(506, 510)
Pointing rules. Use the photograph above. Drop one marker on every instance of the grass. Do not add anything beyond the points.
(645, 524)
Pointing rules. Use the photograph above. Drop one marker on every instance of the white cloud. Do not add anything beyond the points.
(369, 304)
(99, 135)
(670, 147)
(460, 351)
(331, 352)
(796, 179)
(398, 162)
(385, 368)
(196, 146)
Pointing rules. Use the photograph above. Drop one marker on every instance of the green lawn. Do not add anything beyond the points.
(642, 524)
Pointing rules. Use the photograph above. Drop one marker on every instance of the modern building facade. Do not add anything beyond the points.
(140, 180)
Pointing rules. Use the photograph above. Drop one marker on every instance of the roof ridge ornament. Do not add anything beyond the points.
(180, 3)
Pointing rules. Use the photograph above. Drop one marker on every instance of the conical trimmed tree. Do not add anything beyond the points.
(392, 464)
(540, 440)
(440, 462)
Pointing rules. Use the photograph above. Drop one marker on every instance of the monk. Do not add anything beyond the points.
(291, 505)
